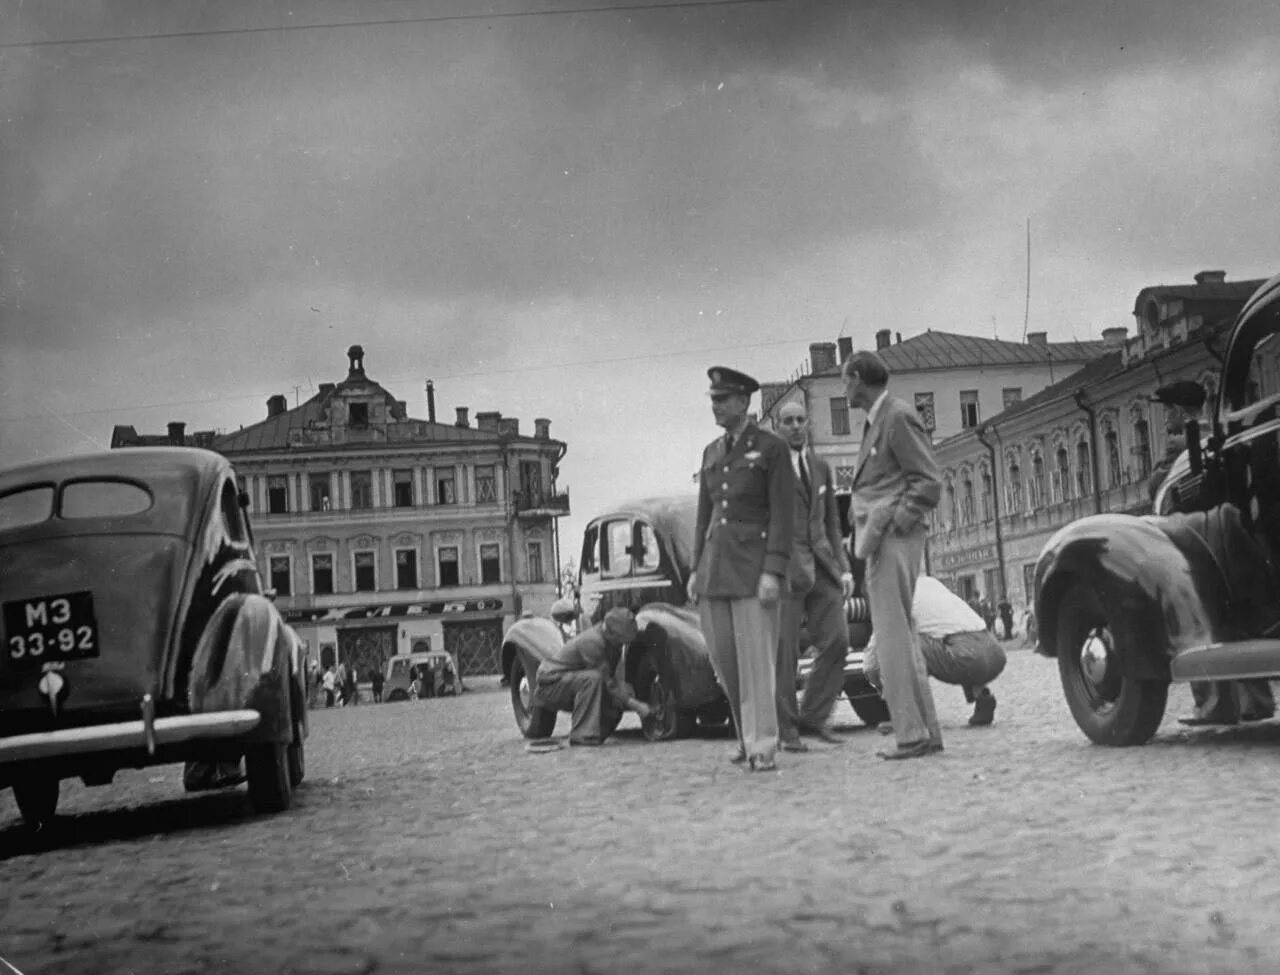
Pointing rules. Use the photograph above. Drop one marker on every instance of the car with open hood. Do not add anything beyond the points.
(638, 555)
(137, 630)
(1128, 604)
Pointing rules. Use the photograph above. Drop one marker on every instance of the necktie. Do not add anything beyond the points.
(728, 442)
(804, 470)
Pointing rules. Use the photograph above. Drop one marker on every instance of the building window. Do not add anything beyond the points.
(1142, 448)
(1063, 475)
(277, 494)
(1010, 395)
(953, 508)
(322, 574)
(486, 484)
(358, 415)
(366, 575)
(490, 562)
(1015, 488)
(447, 565)
(361, 490)
(534, 552)
(444, 488)
(1113, 458)
(966, 502)
(402, 482)
(968, 408)
(1036, 489)
(281, 575)
(318, 486)
(406, 568)
(988, 494)
(839, 416)
(1084, 468)
(924, 407)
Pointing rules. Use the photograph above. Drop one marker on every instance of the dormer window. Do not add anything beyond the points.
(358, 415)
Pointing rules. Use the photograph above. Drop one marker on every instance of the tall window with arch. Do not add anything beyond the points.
(966, 500)
(1015, 487)
(953, 510)
(1142, 448)
(1084, 467)
(1037, 495)
(988, 496)
(1062, 474)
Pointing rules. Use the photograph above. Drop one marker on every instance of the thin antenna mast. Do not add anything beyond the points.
(1026, 313)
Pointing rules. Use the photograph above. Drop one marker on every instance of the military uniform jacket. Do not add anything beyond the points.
(895, 482)
(746, 514)
(817, 541)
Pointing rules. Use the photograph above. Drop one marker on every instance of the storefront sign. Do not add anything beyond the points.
(983, 553)
(391, 611)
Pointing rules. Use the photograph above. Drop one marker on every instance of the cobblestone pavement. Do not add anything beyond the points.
(427, 839)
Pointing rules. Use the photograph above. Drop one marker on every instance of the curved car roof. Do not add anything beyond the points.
(673, 516)
(180, 478)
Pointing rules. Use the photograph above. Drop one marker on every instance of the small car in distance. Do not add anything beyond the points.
(1191, 593)
(136, 628)
(426, 669)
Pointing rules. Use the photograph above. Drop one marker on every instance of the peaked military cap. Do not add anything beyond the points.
(1186, 393)
(726, 380)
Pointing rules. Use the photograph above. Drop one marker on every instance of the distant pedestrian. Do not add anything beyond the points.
(375, 685)
(957, 648)
(351, 688)
(988, 613)
(330, 684)
(896, 484)
(741, 549)
(1005, 608)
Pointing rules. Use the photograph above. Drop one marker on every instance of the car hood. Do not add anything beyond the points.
(134, 582)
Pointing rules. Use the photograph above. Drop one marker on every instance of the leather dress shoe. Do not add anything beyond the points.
(738, 755)
(761, 764)
(794, 746)
(821, 733)
(984, 710)
(918, 749)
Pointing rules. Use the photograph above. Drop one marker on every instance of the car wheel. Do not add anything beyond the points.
(297, 759)
(1109, 707)
(37, 799)
(665, 720)
(267, 767)
(532, 720)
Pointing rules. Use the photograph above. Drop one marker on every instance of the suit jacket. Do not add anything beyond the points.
(817, 546)
(895, 482)
(746, 514)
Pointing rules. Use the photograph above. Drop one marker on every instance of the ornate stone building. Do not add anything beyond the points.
(383, 534)
(1082, 445)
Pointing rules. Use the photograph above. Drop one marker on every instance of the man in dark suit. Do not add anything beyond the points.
(895, 484)
(820, 583)
(742, 544)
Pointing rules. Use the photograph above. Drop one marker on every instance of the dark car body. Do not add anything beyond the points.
(1128, 604)
(638, 555)
(136, 628)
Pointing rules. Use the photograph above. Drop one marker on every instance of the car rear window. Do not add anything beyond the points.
(103, 499)
(26, 506)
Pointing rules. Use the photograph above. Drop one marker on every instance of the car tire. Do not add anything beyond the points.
(267, 768)
(871, 710)
(37, 799)
(667, 721)
(297, 758)
(532, 720)
(1110, 707)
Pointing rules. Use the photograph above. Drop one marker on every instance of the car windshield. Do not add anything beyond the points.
(103, 499)
(26, 506)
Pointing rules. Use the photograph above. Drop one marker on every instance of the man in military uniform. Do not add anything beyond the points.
(742, 545)
(820, 583)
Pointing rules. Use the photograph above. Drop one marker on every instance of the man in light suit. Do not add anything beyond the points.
(895, 485)
(820, 583)
(741, 547)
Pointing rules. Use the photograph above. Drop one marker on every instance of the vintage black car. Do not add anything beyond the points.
(1129, 604)
(136, 628)
(638, 555)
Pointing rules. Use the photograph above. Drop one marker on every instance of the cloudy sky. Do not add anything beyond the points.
(557, 209)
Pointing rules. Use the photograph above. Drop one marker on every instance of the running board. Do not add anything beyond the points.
(1238, 660)
(126, 734)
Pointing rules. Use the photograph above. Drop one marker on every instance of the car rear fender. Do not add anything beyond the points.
(535, 639)
(243, 660)
(671, 636)
(1160, 595)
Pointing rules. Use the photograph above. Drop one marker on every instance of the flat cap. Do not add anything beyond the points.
(1186, 393)
(726, 380)
(620, 624)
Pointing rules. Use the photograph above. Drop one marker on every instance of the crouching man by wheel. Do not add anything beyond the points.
(580, 678)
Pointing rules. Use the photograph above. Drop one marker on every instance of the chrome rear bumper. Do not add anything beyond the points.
(126, 734)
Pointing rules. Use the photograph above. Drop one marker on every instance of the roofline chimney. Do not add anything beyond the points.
(431, 401)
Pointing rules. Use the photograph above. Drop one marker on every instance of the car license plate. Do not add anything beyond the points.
(50, 628)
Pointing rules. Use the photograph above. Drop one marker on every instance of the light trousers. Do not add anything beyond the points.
(742, 637)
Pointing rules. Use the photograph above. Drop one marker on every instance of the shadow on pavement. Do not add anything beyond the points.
(170, 816)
